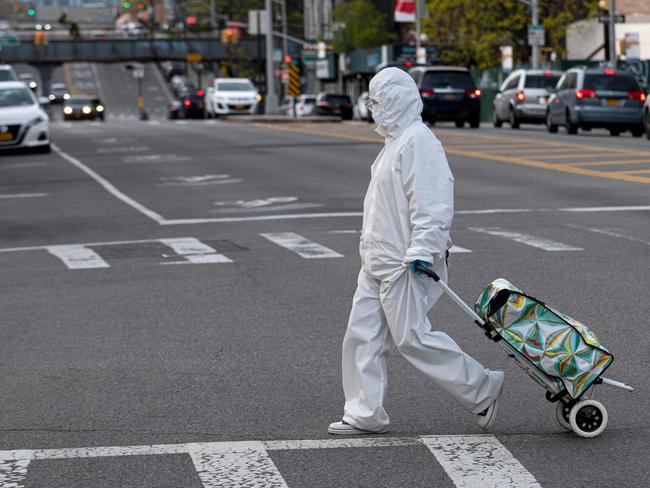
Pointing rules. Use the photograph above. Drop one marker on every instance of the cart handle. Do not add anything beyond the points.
(617, 384)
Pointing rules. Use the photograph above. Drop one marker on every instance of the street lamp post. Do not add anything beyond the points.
(534, 7)
(612, 32)
(271, 101)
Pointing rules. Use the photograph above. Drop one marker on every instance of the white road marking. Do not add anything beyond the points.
(344, 231)
(108, 186)
(623, 208)
(23, 165)
(301, 246)
(610, 232)
(195, 251)
(479, 461)
(78, 257)
(458, 250)
(254, 218)
(121, 149)
(533, 241)
(22, 195)
(249, 465)
(156, 158)
(470, 461)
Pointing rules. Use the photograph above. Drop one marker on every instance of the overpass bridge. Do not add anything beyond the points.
(56, 52)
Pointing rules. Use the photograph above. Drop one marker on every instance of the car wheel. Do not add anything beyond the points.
(460, 123)
(571, 128)
(637, 131)
(496, 121)
(46, 149)
(475, 123)
(550, 126)
(514, 122)
(646, 119)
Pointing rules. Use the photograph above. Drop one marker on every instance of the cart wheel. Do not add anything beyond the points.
(562, 411)
(588, 418)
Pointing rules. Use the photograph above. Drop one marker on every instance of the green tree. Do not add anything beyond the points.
(468, 32)
(362, 26)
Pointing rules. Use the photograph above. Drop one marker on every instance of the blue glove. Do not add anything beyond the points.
(413, 265)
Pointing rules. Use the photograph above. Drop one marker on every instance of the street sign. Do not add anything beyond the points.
(632, 46)
(603, 18)
(506, 58)
(536, 35)
(9, 41)
(194, 57)
(257, 22)
(277, 55)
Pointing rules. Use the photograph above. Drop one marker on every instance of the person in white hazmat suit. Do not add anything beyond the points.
(407, 215)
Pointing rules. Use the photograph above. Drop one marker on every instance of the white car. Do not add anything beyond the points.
(23, 123)
(229, 96)
(7, 73)
(361, 111)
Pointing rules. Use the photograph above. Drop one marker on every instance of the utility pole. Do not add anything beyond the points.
(612, 32)
(213, 18)
(534, 6)
(418, 13)
(271, 98)
(285, 45)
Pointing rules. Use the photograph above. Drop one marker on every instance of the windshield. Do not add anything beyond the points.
(539, 81)
(15, 97)
(235, 86)
(625, 83)
(448, 79)
(82, 101)
(6, 75)
(338, 99)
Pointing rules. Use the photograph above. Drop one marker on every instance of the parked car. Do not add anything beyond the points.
(646, 117)
(181, 83)
(597, 97)
(361, 111)
(189, 106)
(83, 108)
(7, 73)
(334, 104)
(23, 123)
(229, 96)
(523, 96)
(58, 93)
(448, 94)
(306, 105)
(286, 106)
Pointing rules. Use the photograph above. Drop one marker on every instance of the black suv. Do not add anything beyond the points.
(448, 93)
(333, 104)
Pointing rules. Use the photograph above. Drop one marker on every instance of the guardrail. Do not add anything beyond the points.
(117, 50)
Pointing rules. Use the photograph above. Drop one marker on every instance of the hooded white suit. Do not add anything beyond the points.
(407, 215)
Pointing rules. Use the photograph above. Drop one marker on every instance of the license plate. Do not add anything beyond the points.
(199, 105)
(239, 107)
(543, 100)
(612, 102)
(449, 96)
(6, 136)
(337, 110)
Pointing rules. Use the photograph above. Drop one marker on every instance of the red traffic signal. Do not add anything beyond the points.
(191, 20)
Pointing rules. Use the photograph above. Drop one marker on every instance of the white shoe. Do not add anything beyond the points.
(486, 417)
(343, 428)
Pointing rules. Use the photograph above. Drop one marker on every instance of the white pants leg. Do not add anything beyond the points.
(383, 312)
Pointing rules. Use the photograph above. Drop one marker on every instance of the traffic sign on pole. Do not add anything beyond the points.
(293, 88)
(536, 35)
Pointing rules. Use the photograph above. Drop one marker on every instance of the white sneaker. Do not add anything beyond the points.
(343, 428)
(486, 417)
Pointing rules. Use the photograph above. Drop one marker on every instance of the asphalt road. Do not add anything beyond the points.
(148, 307)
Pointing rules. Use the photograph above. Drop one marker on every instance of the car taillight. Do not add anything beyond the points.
(548, 73)
(585, 93)
(473, 93)
(637, 95)
(187, 103)
(610, 72)
(200, 93)
(348, 105)
(521, 96)
(426, 91)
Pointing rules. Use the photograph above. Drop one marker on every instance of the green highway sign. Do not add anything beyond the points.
(9, 41)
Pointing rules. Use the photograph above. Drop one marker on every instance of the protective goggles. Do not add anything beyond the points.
(373, 105)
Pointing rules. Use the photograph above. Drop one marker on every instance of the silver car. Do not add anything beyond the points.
(523, 96)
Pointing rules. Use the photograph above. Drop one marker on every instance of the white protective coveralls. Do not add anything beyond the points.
(407, 215)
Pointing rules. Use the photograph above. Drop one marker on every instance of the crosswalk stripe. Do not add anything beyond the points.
(195, 251)
(301, 245)
(479, 461)
(248, 466)
(78, 257)
(529, 240)
(457, 249)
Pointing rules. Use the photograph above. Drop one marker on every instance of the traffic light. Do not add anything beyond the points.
(230, 35)
(31, 10)
(126, 5)
(191, 20)
(141, 6)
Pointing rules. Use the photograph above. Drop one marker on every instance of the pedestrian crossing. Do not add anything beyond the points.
(193, 251)
(469, 461)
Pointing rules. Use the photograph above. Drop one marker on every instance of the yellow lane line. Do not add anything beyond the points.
(532, 150)
(638, 171)
(492, 157)
(607, 163)
(603, 154)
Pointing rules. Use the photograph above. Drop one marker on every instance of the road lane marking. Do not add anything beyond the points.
(108, 186)
(471, 461)
(529, 240)
(255, 218)
(121, 149)
(200, 180)
(195, 251)
(450, 149)
(458, 250)
(6, 196)
(610, 232)
(24, 165)
(476, 461)
(250, 466)
(301, 245)
(618, 161)
(78, 257)
(156, 158)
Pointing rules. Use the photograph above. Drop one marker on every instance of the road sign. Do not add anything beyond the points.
(293, 88)
(9, 41)
(277, 55)
(194, 57)
(632, 46)
(536, 35)
(603, 18)
(257, 22)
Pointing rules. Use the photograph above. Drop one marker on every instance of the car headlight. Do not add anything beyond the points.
(86, 109)
(32, 84)
(52, 97)
(99, 108)
(66, 96)
(67, 110)
(35, 121)
(258, 98)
